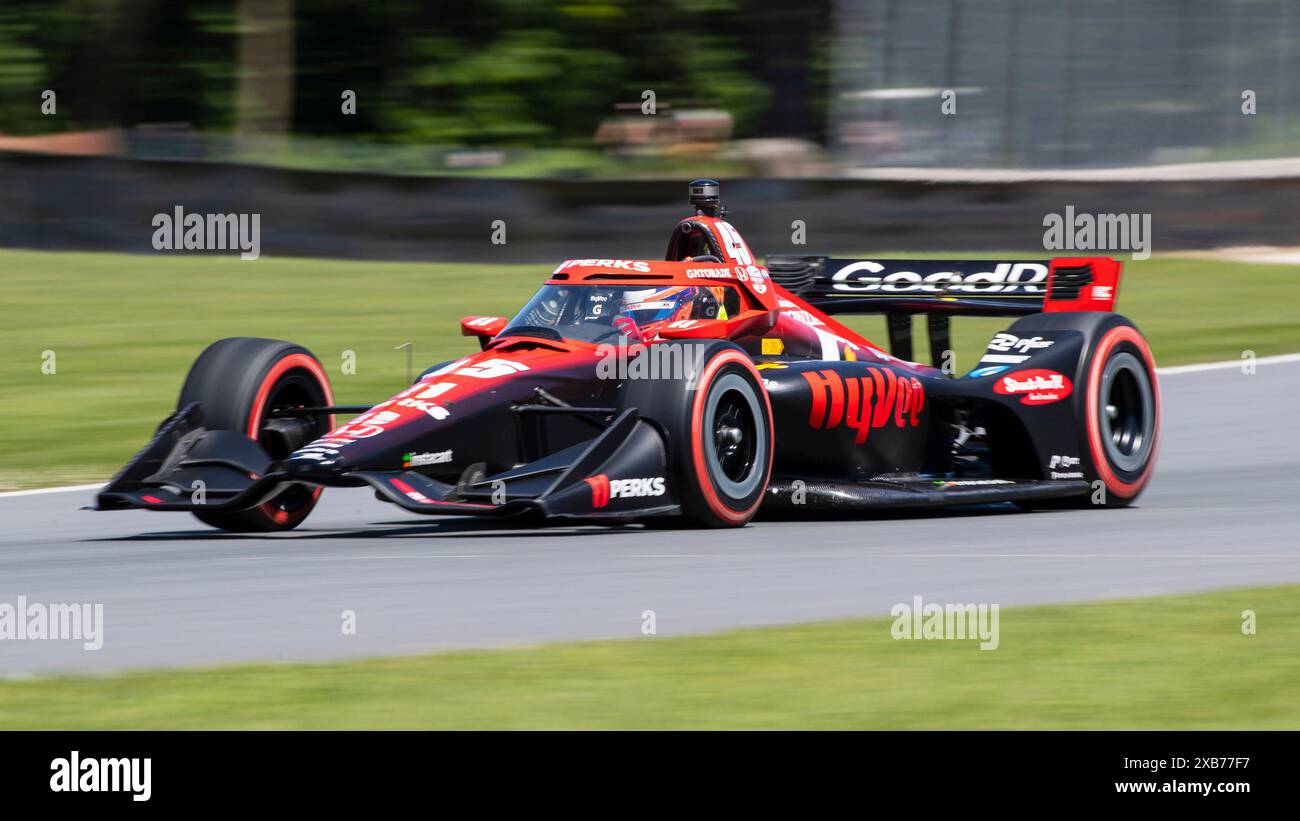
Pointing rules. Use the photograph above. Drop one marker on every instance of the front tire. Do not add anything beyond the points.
(718, 432)
(237, 382)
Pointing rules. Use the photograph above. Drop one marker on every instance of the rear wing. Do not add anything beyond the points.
(943, 288)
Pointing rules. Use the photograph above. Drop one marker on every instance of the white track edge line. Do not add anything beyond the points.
(64, 489)
(1231, 363)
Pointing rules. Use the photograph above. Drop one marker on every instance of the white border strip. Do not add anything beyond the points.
(1176, 369)
(1231, 363)
(65, 489)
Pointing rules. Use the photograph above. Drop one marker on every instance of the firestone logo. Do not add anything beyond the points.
(1035, 387)
(864, 402)
(604, 488)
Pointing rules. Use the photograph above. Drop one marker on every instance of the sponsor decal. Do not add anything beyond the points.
(490, 369)
(604, 488)
(416, 460)
(756, 280)
(436, 411)
(367, 425)
(989, 371)
(864, 402)
(1035, 386)
(599, 485)
(972, 482)
(773, 346)
(769, 366)
(800, 315)
(1006, 347)
(708, 273)
(1005, 278)
(1064, 462)
(638, 265)
(377, 419)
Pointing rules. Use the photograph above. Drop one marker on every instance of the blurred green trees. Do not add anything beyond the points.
(473, 72)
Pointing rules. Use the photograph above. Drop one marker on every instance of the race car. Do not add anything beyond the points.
(692, 391)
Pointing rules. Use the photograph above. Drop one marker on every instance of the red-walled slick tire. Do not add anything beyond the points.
(238, 381)
(717, 426)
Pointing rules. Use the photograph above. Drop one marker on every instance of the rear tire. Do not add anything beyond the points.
(718, 434)
(1118, 407)
(237, 381)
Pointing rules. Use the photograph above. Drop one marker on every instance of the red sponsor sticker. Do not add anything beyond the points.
(1035, 386)
(599, 485)
(862, 403)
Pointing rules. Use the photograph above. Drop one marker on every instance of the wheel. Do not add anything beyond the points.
(717, 428)
(1118, 405)
(238, 381)
(1123, 407)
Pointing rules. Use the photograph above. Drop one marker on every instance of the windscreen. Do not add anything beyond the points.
(601, 313)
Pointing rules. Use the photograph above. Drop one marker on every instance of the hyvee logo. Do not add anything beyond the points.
(1035, 387)
(1004, 278)
(129, 775)
(864, 402)
(604, 488)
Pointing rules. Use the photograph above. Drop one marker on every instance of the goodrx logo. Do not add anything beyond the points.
(1006, 278)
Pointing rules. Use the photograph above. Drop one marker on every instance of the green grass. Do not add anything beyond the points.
(125, 329)
(1171, 663)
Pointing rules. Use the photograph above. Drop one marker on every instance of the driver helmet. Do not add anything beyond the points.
(653, 308)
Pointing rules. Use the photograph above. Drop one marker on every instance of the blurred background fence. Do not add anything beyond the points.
(102, 203)
(403, 128)
(1064, 83)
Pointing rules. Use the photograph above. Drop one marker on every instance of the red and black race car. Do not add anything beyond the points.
(692, 390)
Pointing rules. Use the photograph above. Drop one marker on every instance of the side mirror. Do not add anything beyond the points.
(484, 327)
(695, 329)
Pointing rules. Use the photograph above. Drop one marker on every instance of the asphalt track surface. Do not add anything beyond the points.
(1221, 512)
